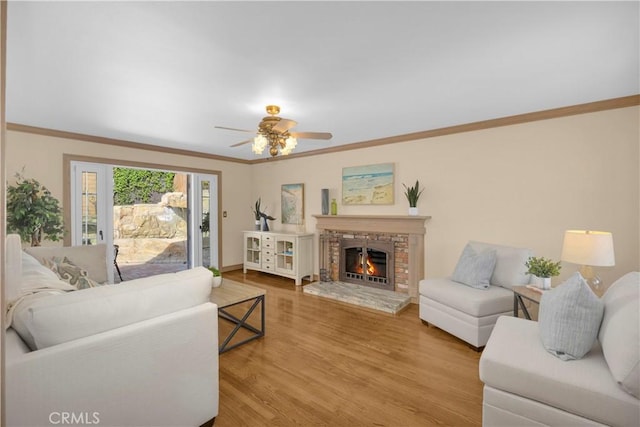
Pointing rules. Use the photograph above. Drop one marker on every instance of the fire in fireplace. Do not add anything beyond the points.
(366, 262)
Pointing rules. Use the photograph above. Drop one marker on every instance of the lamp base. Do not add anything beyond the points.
(592, 279)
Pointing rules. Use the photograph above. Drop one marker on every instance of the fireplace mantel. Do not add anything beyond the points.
(401, 224)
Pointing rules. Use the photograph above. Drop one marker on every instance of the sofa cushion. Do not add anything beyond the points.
(92, 258)
(514, 361)
(510, 269)
(36, 277)
(620, 332)
(474, 302)
(61, 318)
(475, 268)
(13, 267)
(569, 318)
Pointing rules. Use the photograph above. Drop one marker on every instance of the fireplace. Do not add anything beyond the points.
(366, 262)
(404, 235)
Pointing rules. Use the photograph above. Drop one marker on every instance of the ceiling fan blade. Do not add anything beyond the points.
(239, 130)
(284, 125)
(242, 143)
(311, 135)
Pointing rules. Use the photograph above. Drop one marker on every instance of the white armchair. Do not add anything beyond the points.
(470, 313)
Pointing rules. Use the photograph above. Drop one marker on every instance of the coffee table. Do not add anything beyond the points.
(232, 293)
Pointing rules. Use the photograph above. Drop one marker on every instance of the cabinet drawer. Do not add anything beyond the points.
(268, 266)
(268, 244)
(268, 253)
(268, 259)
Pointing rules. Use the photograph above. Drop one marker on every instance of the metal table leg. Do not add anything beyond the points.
(242, 323)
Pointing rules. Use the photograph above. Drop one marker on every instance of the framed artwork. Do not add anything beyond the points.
(368, 185)
(292, 203)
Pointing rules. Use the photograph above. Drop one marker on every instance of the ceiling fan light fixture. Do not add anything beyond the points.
(273, 132)
(259, 144)
(289, 144)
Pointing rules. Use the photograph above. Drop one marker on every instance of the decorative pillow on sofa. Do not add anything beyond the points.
(569, 318)
(475, 268)
(620, 332)
(510, 269)
(70, 273)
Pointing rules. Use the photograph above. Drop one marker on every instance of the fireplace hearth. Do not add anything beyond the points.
(368, 263)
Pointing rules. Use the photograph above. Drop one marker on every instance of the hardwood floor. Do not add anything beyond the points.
(327, 363)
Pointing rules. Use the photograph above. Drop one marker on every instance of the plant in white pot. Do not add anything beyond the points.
(413, 194)
(217, 276)
(543, 269)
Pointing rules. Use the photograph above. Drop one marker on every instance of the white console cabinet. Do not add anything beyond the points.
(285, 254)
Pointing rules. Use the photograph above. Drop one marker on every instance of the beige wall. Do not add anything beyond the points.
(42, 158)
(520, 185)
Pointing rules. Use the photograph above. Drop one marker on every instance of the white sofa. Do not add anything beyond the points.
(469, 313)
(525, 385)
(140, 353)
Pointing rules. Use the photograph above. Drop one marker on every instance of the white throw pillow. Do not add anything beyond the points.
(620, 332)
(569, 318)
(475, 268)
(510, 269)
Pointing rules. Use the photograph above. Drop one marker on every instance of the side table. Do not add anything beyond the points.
(520, 293)
(231, 293)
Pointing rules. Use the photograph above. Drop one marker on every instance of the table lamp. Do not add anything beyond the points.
(588, 249)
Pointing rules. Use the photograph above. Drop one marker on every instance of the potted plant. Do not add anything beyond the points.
(543, 269)
(217, 276)
(32, 212)
(413, 194)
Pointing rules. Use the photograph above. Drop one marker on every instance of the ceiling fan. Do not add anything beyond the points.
(275, 132)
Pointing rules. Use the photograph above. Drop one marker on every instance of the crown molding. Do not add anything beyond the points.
(590, 107)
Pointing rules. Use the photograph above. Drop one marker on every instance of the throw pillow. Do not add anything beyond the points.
(475, 268)
(569, 318)
(620, 332)
(70, 273)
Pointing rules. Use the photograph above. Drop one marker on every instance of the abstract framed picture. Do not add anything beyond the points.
(292, 203)
(368, 185)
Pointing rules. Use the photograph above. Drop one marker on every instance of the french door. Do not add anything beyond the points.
(92, 212)
(91, 183)
(203, 243)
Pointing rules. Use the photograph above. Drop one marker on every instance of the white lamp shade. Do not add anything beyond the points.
(584, 247)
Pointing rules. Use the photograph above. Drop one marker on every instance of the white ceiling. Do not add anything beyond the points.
(165, 73)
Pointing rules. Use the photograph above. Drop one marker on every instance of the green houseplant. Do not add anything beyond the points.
(32, 212)
(544, 269)
(413, 194)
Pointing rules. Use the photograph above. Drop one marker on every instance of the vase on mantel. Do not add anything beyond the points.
(413, 211)
(543, 283)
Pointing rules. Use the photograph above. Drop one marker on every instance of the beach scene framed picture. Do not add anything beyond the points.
(368, 185)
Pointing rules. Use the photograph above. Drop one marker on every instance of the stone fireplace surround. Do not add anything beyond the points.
(407, 233)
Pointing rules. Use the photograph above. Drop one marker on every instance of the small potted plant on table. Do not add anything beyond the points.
(543, 269)
(217, 276)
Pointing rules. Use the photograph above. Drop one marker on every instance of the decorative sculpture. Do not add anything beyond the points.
(263, 215)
